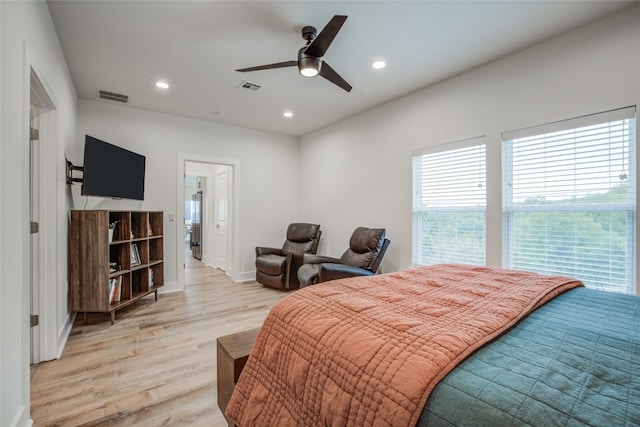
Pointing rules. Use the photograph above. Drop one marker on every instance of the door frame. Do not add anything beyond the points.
(234, 218)
(47, 340)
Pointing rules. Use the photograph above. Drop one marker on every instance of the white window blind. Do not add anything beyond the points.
(449, 203)
(569, 199)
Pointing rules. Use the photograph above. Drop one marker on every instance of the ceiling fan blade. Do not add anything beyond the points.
(330, 74)
(321, 43)
(270, 66)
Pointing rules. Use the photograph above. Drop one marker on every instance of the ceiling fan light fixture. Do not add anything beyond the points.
(309, 66)
(309, 72)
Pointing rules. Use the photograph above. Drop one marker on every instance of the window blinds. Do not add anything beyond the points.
(449, 203)
(569, 199)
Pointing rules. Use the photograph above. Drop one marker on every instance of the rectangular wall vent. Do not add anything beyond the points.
(251, 86)
(103, 94)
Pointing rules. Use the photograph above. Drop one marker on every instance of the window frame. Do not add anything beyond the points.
(418, 211)
(629, 208)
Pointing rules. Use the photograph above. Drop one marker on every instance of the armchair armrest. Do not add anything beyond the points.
(317, 259)
(334, 271)
(265, 251)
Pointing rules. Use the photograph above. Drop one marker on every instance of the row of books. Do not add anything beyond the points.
(115, 291)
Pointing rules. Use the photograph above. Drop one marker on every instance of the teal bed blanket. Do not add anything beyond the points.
(573, 362)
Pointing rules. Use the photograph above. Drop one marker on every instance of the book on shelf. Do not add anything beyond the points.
(115, 289)
(118, 293)
(150, 278)
(112, 289)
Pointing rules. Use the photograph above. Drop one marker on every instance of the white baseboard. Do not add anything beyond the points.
(63, 336)
(21, 419)
(247, 276)
(170, 287)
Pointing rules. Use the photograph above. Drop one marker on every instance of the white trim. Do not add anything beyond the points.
(234, 226)
(247, 276)
(52, 336)
(455, 145)
(170, 287)
(20, 415)
(577, 122)
(23, 226)
(2, 339)
(65, 331)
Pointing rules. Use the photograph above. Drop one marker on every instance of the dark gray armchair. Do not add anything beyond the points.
(278, 267)
(367, 247)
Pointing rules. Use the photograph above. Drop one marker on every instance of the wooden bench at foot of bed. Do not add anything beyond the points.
(233, 352)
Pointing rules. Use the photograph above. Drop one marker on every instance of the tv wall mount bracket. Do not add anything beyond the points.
(70, 169)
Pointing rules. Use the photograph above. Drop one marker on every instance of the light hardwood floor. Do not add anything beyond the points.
(157, 365)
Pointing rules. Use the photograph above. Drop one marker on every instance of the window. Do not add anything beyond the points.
(568, 199)
(449, 203)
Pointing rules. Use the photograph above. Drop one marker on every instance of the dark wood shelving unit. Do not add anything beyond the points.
(91, 252)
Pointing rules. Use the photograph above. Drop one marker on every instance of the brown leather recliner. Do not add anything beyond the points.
(367, 247)
(278, 267)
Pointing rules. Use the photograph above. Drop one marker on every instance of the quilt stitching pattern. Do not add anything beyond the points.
(368, 351)
(575, 361)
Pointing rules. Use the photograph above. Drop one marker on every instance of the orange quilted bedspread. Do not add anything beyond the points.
(368, 351)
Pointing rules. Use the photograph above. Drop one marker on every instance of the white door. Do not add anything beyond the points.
(221, 218)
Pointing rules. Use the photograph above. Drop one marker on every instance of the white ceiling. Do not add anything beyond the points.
(195, 46)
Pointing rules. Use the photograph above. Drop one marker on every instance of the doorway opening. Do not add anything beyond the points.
(207, 231)
(194, 190)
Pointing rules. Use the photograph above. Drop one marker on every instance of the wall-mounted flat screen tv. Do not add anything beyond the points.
(111, 171)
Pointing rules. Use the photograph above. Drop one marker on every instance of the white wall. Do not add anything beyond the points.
(29, 41)
(358, 172)
(267, 176)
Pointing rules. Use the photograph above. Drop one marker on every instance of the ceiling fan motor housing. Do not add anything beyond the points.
(308, 62)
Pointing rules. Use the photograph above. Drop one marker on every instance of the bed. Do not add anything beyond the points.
(445, 345)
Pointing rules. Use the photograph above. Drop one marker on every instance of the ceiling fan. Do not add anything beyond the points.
(310, 62)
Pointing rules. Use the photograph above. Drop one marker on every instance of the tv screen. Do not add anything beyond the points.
(111, 171)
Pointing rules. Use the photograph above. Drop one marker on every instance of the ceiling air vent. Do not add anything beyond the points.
(251, 86)
(103, 94)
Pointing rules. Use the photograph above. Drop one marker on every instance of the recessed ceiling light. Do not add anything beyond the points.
(378, 65)
(162, 85)
(287, 114)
